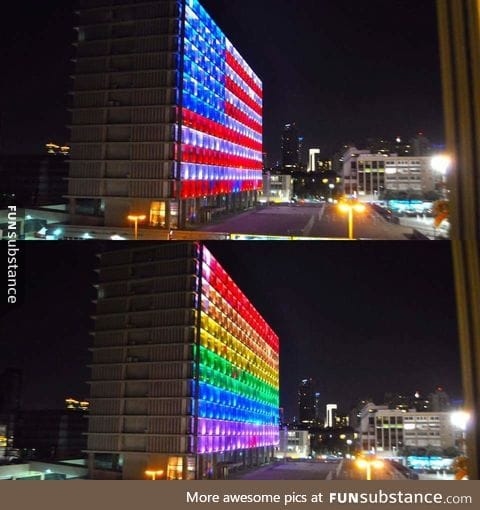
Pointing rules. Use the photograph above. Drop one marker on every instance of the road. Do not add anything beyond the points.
(291, 471)
(322, 221)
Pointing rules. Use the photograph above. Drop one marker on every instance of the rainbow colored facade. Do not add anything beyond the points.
(238, 368)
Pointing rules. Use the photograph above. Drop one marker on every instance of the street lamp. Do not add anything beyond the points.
(349, 207)
(153, 474)
(367, 465)
(136, 218)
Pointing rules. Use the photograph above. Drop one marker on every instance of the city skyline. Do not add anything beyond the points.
(399, 335)
(397, 83)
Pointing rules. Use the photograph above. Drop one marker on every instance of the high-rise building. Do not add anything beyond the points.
(306, 402)
(318, 410)
(330, 415)
(313, 160)
(290, 148)
(166, 116)
(185, 373)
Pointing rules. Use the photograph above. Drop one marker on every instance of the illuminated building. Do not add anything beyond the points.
(372, 176)
(294, 444)
(392, 432)
(185, 370)
(277, 188)
(313, 160)
(166, 118)
(331, 412)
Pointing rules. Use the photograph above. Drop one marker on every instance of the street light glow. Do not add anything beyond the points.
(351, 206)
(359, 208)
(362, 463)
(136, 218)
(368, 464)
(460, 419)
(441, 163)
(153, 474)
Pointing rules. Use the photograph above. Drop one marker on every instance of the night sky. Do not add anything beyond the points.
(361, 319)
(344, 70)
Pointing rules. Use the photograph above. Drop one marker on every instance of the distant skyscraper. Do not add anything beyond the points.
(331, 412)
(313, 160)
(290, 148)
(185, 369)
(318, 410)
(166, 116)
(306, 402)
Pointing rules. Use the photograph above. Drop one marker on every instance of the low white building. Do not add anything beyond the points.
(387, 432)
(277, 188)
(294, 444)
(370, 176)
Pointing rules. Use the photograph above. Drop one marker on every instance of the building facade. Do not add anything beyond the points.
(166, 117)
(185, 370)
(294, 444)
(372, 177)
(390, 432)
(313, 160)
(330, 416)
(277, 188)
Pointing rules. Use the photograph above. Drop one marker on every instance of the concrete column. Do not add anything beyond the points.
(459, 29)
